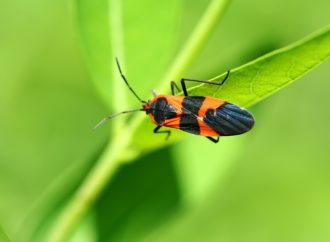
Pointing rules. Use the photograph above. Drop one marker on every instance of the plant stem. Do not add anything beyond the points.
(109, 162)
(90, 189)
(194, 44)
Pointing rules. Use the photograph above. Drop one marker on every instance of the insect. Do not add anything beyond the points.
(199, 115)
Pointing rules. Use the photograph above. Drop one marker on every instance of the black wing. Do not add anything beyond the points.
(229, 119)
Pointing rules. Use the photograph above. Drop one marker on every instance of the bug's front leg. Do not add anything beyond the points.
(168, 132)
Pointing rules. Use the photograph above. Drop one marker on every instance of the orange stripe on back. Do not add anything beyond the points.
(209, 103)
(176, 102)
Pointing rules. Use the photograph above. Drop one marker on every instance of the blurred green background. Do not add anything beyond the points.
(271, 184)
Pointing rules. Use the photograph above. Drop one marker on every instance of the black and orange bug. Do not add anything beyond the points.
(199, 115)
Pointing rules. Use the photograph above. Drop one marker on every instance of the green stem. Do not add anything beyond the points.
(110, 161)
(194, 44)
(90, 190)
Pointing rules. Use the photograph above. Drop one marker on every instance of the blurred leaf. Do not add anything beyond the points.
(47, 112)
(101, 23)
(141, 197)
(3, 236)
(51, 202)
(93, 19)
(262, 77)
(201, 170)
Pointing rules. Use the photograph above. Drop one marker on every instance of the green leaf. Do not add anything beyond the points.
(264, 76)
(255, 80)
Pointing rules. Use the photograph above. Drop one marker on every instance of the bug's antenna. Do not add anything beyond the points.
(106, 119)
(124, 78)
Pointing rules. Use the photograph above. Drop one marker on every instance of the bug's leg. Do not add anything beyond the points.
(213, 139)
(168, 132)
(174, 86)
(184, 88)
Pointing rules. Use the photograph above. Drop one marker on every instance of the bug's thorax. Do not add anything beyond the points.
(159, 109)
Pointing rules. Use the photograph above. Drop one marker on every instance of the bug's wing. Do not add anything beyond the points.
(229, 119)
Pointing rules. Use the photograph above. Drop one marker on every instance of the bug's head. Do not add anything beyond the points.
(147, 106)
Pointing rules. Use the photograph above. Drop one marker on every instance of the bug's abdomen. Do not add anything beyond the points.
(229, 119)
